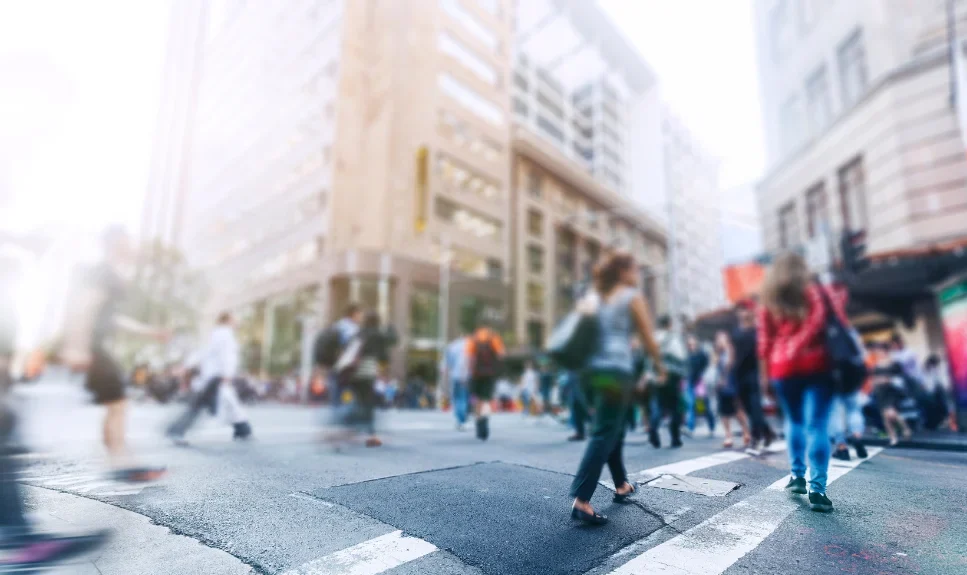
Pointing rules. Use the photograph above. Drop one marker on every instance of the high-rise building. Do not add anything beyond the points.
(862, 136)
(355, 151)
(740, 230)
(169, 178)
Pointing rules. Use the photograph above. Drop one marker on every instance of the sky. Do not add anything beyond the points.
(77, 129)
(704, 54)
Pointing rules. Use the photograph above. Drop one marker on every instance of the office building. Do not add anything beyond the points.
(862, 137)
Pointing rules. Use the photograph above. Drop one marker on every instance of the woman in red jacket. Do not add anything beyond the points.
(792, 349)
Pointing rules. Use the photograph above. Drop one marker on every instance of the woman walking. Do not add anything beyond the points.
(727, 392)
(373, 353)
(792, 348)
(608, 380)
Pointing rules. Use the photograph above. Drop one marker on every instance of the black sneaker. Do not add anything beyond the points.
(676, 443)
(653, 438)
(483, 428)
(43, 552)
(859, 447)
(842, 454)
(797, 485)
(819, 502)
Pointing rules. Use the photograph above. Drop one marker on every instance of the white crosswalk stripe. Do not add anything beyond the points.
(714, 545)
(369, 557)
(86, 483)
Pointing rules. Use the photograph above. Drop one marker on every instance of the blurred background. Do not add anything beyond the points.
(443, 161)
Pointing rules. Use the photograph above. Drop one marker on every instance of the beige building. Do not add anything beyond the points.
(353, 151)
(860, 128)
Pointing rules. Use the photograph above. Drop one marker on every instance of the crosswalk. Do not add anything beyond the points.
(709, 548)
(88, 483)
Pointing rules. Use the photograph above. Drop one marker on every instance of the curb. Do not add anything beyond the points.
(919, 444)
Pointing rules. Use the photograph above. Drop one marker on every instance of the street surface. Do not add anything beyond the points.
(437, 501)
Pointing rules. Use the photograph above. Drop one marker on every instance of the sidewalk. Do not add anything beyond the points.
(930, 440)
(137, 546)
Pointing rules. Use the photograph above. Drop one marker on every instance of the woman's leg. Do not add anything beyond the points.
(817, 400)
(727, 426)
(114, 420)
(608, 427)
(744, 423)
(690, 401)
(837, 422)
(790, 396)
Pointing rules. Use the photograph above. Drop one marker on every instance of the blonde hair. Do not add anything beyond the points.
(784, 288)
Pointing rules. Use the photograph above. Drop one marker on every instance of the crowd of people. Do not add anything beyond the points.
(634, 372)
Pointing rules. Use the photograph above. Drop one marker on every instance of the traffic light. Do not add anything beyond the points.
(853, 249)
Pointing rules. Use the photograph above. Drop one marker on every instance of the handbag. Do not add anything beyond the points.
(575, 339)
(845, 350)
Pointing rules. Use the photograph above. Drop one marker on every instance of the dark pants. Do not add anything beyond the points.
(750, 396)
(667, 398)
(546, 387)
(363, 414)
(13, 522)
(610, 396)
(205, 400)
(579, 406)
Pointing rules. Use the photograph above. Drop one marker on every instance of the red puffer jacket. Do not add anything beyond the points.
(794, 347)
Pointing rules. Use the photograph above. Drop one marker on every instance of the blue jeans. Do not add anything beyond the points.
(846, 418)
(461, 400)
(807, 402)
(691, 403)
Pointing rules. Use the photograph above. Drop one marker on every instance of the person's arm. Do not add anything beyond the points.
(642, 316)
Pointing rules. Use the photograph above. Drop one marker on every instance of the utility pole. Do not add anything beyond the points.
(443, 300)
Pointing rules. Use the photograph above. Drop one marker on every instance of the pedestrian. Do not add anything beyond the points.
(745, 374)
(726, 392)
(215, 385)
(529, 383)
(330, 344)
(454, 370)
(373, 354)
(546, 382)
(91, 323)
(485, 353)
(889, 392)
(792, 347)
(24, 549)
(570, 383)
(667, 393)
(935, 384)
(608, 382)
(698, 364)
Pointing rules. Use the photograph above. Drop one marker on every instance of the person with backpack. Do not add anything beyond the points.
(361, 374)
(485, 354)
(608, 379)
(331, 343)
(792, 347)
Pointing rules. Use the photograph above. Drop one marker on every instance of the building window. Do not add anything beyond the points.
(455, 9)
(852, 195)
(779, 29)
(817, 211)
(466, 220)
(457, 177)
(520, 107)
(535, 297)
(470, 99)
(470, 60)
(852, 68)
(535, 223)
(535, 334)
(818, 101)
(535, 259)
(790, 124)
(788, 226)
(550, 129)
(534, 184)
(424, 313)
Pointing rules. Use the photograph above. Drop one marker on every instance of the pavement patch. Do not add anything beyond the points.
(698, 485)
(499, 517)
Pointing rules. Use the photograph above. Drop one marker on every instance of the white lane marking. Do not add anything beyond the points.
(94, 483)
(369, 557)
(298, 495)
(714, 545)
(694, 464)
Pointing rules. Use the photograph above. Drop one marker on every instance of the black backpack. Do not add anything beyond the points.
(328, 347)
(486, 363)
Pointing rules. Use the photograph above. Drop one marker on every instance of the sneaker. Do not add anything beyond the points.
(819, 502)
(797, 485)
(841, 454)
(374, 442)
(654, 439)
(676, 443)
(45, 551)
(859, 447)
(576, 437)
(483, 428)
(139, 474)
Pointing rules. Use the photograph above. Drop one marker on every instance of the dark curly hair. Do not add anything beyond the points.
(608, 270)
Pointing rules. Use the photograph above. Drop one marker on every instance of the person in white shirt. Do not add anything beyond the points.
(528, 387)
(215, 385)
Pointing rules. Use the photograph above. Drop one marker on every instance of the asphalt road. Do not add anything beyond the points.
(433, 500)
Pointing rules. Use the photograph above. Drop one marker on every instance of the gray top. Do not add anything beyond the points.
(616, 326)
(108, 281)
